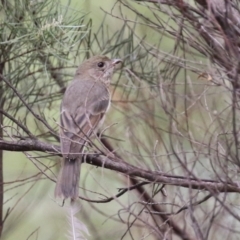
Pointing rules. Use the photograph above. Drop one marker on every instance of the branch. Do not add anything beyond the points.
(182, 233)
(125, 168)
(27, 106)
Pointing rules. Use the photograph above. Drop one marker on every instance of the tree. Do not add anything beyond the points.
(172, 133)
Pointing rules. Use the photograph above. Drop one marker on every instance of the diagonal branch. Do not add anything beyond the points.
(125, 168)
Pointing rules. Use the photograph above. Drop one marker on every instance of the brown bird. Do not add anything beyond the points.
(83, 107)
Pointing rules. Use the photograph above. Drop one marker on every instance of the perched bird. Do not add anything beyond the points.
(83, 107)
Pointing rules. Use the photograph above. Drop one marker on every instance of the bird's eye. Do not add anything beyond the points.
(101, 64)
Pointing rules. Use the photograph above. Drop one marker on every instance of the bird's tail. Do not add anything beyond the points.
(68, 179)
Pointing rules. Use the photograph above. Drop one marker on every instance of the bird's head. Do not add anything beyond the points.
(98, 67)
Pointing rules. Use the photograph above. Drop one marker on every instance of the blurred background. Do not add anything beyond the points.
(174, 111)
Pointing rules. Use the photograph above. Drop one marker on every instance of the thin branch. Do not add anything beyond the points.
(28, 107)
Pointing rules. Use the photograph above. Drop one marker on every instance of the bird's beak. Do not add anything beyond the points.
(116, 61)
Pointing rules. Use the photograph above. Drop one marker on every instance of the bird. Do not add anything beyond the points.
(83, 108)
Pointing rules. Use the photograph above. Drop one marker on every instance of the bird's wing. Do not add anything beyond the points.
(79, 122)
